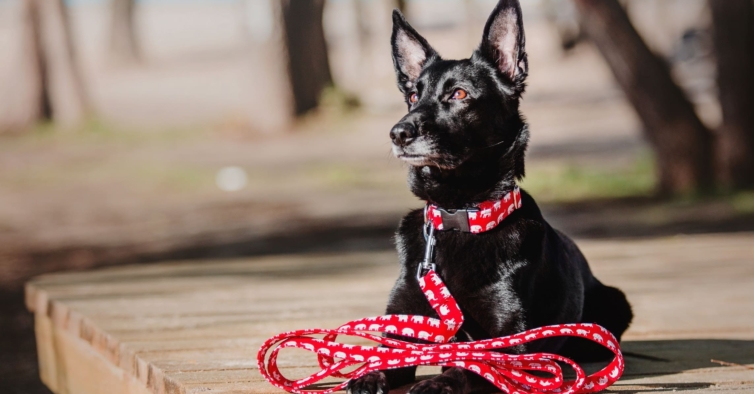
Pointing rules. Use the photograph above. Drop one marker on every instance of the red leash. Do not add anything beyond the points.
(506, 371)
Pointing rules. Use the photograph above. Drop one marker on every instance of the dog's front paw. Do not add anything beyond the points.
(374, 382)
(438, 385)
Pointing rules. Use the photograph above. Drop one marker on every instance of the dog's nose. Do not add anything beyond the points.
(403, 133)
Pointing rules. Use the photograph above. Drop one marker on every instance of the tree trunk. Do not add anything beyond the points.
(70, 101)
(683, 145)
(123, 43)
(309, 66)
(273, 111)
(29, 84)
(733, 35)
(402, 6)
(47, 83)
(362, 25)
(40, 107)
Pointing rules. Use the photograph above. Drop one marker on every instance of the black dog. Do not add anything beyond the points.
(465, 141)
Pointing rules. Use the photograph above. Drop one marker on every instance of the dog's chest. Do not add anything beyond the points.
(476, 260)
(481, 273)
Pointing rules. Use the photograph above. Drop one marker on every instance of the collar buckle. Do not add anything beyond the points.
(456, 219)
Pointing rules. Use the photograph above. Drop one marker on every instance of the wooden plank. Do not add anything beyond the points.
(195, 327)
(69, 365)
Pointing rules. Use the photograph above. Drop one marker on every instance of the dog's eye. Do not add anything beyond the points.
(459, 94)
(413, 98)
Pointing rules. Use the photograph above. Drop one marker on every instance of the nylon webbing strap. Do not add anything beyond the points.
(509, 372)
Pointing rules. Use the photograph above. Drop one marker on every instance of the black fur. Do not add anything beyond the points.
(462, 151)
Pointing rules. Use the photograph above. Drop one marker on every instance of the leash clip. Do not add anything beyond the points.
(427, 264)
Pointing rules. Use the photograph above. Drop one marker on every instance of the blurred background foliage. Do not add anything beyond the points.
(136, 131)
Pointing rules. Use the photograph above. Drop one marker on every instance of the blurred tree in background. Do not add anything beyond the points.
(690, 157)
(733, 36)
(124, 45)
(47, 81)
(401, 5)
(34, 103)
(682, 143)
(688, 153)
(309, 65)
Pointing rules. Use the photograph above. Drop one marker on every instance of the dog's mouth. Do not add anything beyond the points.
(428, 160)
(415, 160)
(423, 153)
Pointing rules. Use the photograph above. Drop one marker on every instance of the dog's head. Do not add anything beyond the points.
(462, 111)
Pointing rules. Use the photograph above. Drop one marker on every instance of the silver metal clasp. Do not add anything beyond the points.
(427, 264)
(457, 219)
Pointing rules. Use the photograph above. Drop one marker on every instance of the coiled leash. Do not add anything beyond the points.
(508, 372)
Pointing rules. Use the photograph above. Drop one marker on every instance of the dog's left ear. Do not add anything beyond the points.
(503, 42)
(411, 52)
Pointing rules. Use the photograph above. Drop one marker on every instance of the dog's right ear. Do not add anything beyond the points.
(411, 52)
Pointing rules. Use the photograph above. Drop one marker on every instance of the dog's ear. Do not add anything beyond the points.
(503, 42)
(411, 52)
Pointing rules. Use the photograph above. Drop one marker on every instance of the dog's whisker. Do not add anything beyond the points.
(495, 144)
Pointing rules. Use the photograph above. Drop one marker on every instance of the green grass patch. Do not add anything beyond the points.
(743, 202)
(100, 153)
(181, 179)
(335, 175)
(563, 182)
(96, 132)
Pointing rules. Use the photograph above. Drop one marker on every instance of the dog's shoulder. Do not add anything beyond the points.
(412, 220)
(537, 227)
(409, 238)
(526, 225)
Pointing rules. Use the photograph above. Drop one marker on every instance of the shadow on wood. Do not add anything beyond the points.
(698, 365)
(651, 358)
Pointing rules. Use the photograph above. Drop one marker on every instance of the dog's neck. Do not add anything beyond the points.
(488, 175)
(463, 187)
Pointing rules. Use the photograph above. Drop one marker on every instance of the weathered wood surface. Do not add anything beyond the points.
(195, 327)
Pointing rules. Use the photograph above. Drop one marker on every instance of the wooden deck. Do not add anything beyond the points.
(195, 327)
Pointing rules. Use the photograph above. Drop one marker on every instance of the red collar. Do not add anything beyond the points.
(483, 217)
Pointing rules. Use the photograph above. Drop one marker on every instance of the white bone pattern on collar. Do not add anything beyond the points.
(483, 217)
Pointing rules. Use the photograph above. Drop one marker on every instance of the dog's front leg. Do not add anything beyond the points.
(453, 380)
(380, 382)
